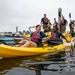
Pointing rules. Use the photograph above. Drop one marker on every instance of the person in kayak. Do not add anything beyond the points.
(49, 26)
(22, 41)
(56, 34)
(63, 24)
(35, 37)
(44, 22)
(55, 23)
(71, 25)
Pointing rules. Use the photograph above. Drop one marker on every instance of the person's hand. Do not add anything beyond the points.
(44, 38)
(24, 37)
(29, 39)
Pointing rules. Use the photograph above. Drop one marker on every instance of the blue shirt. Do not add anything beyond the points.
(63, 22)
(59, 34)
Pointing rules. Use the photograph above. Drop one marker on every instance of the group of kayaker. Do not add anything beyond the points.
(62, 25)
(47, 24)
(39, 37)
(34, 37)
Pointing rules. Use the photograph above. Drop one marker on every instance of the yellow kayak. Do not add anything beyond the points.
(11, 51)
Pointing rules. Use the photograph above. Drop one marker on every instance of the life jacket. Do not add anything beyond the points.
(35, 36)
(45, 20)
(54, 35)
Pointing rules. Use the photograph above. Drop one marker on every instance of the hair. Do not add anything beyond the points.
(44, 14)
(54, 18)
(62, 16)
(37, 26)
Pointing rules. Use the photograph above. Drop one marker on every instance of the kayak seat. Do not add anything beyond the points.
(54, 41)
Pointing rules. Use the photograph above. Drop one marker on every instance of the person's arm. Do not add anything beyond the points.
(64, 38)
(60, 34)
(66, 22)
(41, 21)
(43, 35)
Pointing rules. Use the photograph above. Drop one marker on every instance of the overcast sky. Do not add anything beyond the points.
(25, 13)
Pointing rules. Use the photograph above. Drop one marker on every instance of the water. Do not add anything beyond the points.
(37, 65)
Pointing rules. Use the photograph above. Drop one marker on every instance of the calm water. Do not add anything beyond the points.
(38, 65)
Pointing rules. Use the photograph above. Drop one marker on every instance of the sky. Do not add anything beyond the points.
(26, 13)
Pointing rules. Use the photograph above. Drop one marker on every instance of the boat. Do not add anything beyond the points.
(12, 51)
(7, 51)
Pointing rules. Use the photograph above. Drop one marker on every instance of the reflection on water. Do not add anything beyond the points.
(38, 65)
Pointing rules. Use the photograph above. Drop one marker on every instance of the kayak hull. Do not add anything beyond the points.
(11, 51)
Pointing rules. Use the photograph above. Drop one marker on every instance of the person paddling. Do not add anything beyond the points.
(56, 34)
(38, 34)
(44, 22)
